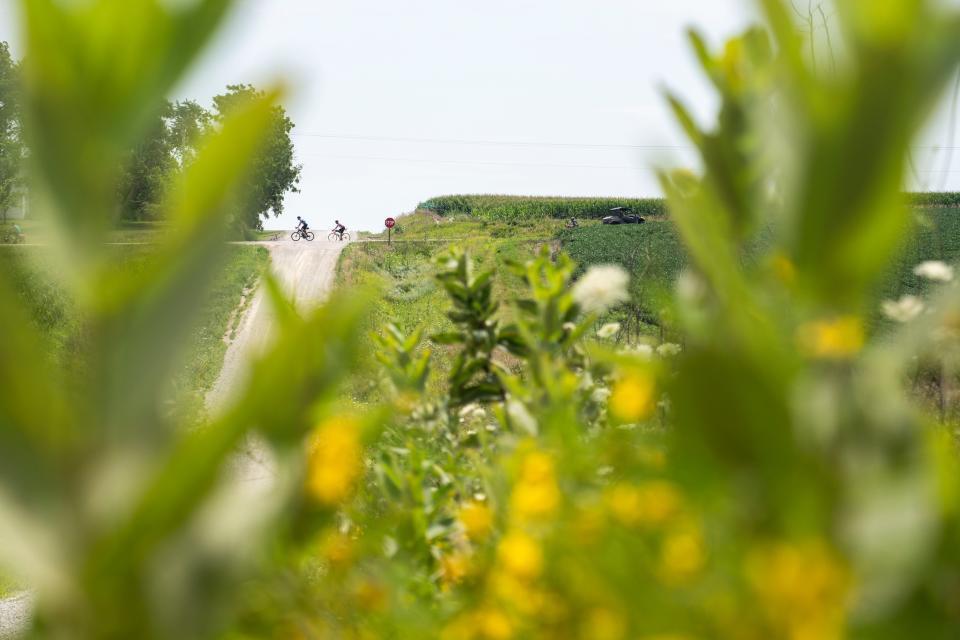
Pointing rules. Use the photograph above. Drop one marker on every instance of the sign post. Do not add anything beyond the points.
(389, 222)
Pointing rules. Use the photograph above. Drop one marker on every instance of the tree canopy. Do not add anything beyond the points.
(169, 145)
(274, 172)
(149, 167)
(11, 143)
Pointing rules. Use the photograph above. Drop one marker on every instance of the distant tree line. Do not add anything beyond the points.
(169, 145)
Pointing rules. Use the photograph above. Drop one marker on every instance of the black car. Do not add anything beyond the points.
(622, 215)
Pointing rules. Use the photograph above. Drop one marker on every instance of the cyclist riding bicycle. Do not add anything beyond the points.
(338, 228)
(302, 226)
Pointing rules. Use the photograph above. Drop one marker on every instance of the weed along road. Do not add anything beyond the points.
(305, 270)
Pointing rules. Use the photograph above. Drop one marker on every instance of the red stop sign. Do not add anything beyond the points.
(389, 222)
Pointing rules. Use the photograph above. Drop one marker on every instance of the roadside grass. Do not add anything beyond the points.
(423, 225)
(409, 297)
(652, 253)
(32, 272)
(272, 234)
(219, 317)
(38, 231)
(7, 585)
(127, 232)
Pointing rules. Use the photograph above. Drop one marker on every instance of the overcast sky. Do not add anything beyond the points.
(396, 102)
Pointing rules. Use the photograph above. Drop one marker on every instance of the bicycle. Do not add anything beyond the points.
(297, 234)
(340, 237)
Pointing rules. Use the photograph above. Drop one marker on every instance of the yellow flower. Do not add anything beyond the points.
(536, 494)
(801, 588)
(650, 504)
(652, 458)
(454, 568)
(588, 524)
(371, 596)
(603, 624)
(837, 339)
(338, 549)
(477, 520)
(335, 460)
(493, 624)
(406, 401)
(783, 268)
(520, 555)
(634, 397)
(517, 594)
(682, 555)
(460, 628)
(487, 623)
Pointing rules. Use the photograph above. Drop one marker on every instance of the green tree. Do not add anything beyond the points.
(11, 143)
(274, 172)
(187, 122)
(148, 171)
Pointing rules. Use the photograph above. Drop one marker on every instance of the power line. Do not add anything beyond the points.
(480, 162)
(528, 143)
(517, 164)
(491, 143)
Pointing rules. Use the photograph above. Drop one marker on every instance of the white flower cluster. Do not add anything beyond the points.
(601, 288)
(600, 394)
(642, 349)
(472, 411)
(609, 330)
(934, 270)
(903, 310)
(646, 351)
(668, 349)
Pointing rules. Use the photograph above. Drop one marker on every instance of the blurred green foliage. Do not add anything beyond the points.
(121, 518)
(771, 477)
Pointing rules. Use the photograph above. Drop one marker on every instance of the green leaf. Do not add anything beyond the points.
(142, 314)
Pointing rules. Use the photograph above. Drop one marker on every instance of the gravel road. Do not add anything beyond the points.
(306, 271)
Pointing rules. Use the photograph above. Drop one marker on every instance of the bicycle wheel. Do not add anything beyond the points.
(346, 237)
(332, 237)
(295, 236)
(310, 236)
